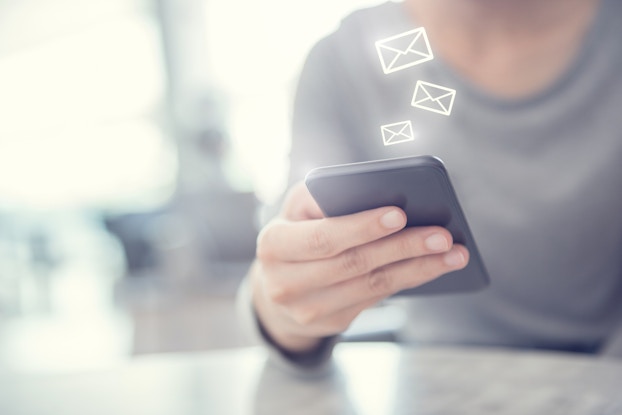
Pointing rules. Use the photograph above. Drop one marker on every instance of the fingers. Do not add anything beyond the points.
(410, 273)
(360, 260)
(324, 238)
(375, 285)
(331, 311)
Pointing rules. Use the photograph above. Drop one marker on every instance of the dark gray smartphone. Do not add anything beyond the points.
(420, 186)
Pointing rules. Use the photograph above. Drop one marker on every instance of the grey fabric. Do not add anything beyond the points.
(540, 179)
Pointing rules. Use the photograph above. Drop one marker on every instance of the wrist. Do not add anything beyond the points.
(303, 351)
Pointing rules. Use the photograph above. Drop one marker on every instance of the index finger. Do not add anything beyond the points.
(324, 238)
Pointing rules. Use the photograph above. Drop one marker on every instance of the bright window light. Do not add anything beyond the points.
(76, 128)
(255, 56)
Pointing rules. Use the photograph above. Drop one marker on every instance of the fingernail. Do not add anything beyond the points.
(454, 259)
(436, 242)
(392, 220)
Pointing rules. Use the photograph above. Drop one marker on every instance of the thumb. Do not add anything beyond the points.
(300, 205)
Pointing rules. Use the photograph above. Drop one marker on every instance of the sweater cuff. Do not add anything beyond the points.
(317, 362)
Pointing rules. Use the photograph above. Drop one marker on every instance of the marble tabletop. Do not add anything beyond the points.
(367, 378)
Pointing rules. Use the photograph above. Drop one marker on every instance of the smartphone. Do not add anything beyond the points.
(421, 187)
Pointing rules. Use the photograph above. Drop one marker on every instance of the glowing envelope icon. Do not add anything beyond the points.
(433, 97)
(399, 132)
(404, 50)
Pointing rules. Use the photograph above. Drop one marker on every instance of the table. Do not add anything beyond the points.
(368, 378)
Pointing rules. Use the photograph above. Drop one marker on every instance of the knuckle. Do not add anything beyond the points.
(320, 243)
(380, 282)
(278, 293)
(354, 262)
(305, 316)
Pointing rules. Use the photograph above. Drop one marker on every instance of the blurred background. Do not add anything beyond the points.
(138, 141)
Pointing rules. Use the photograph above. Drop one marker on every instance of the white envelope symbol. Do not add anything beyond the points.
(399, 132)
(433, 97)
(404, 50)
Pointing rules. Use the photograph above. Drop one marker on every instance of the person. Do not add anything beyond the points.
(533, 146)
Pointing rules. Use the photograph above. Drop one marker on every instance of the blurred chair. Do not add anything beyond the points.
(209, 235)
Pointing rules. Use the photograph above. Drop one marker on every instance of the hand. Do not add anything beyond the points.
(313, 275)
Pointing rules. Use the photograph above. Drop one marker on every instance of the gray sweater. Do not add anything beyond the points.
(540, 179)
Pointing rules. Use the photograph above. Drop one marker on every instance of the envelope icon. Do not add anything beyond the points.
(404, 50)
(399, 132)
(433, 97)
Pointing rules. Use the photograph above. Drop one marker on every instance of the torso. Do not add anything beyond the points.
(538, 176)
